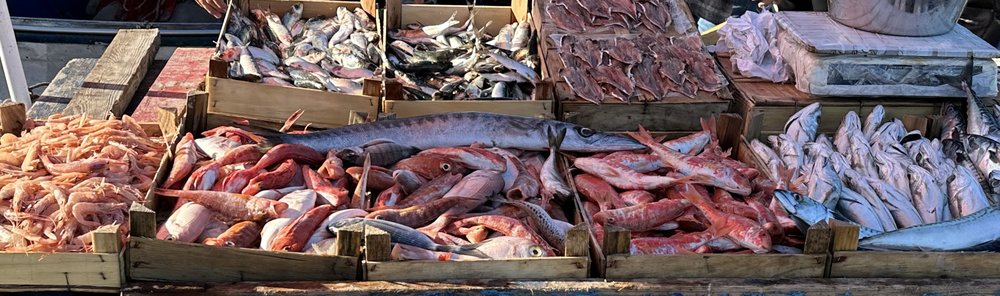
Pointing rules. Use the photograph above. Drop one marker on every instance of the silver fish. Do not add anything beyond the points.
(463, 129)
(842, 140)
(984, 153)
(518, 67)
(859, 183)
(890, 170)
(899, 205)
(264, 54)
(873, 120)
(824, 185)
(965, 196)
(292, 16)
(954, 123)
(553, 184)
(522, 35)
(931, 202)
(980, 120)
(808, 212)
(791, 153)
(546, 225)
(975, 232)
(856, 208)
(278, 30)
(444, 28)
(861, 156)
(801, 127)
(402, 234)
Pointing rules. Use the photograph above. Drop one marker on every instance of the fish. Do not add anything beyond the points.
(382, 153)
(859, 183)
(745, 232)
(622, 177)
(931, 202)
(808, 212)
(294, 236)
(954, 123)
(185, 156)
(973, 232)
(509, 247)
(321, 233)
(965, 196)
(546, 225)
(232, 205)
(594, 189)
(644, 217)
(552, 181)
(186, 223)
(845, 133)
(711, 173)
(240, 235)
(873, 121)
(979, 120)
(857, 209)
(825, 185)
(462, 129)
(900, 206)
(401, 234)
(983, 152)
(801, 127)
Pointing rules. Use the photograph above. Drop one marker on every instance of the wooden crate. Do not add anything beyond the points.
(149, 259)
(398, 15)
(677, 117)
(273, 103)
(574, 264)
(766, 107)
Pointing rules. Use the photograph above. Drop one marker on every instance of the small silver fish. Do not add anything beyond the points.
(965, 196)
(802, 126)
(930, 201)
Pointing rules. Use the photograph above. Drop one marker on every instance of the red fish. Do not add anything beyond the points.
(644, 217)
(231, 205)
(278, 178)
(743, 231)
(637, 197)
(293, 237)
(185, 156)
(714, 173)
(596, 190)
(473, 158)
(241, 235)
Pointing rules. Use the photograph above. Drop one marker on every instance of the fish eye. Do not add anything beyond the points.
(585, 132)
(445, 167)
(610, 220)
(536, 251)
(229, 244)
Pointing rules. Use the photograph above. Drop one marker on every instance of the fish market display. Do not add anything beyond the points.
(454, 60)
(333, 53)
(906, 192)
(62, 180)
(463, 202)
(459, 129)
(684, 196)
(647, 68)
(606, 16)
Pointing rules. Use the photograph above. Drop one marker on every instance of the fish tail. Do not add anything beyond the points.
(469, 250)
(556, 138)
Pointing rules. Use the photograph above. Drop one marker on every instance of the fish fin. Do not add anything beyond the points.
(470, 250)
(266, 137)
(291, 120)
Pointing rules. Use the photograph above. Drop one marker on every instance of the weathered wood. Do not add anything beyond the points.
(578, 241)
(916, 122)
(142, 221)
(261, 101)
(716, 266)
(107, 239)
(845, 236)
(157, 260)
(111, 84)
(196, 114)
(61, 89)
(616, 240)
(349, 240)
(677, 115)
(183, 72)
(12, 118)
(378, 244)
(729, 126)
(372, 87)
(403, 109)
(534, 268)
(60, 271)
(861, 264)
(591, 287)
(818, 238)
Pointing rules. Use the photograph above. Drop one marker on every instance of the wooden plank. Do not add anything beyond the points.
(12, 117)
(535, 268)
(110, 86)
(915, 265)
(183, 72)
(156, 260)
(310, 8)
(349, 240)
(578, 241)
(657, 116)
(403, 109)
(17, 85)
(107, 239)
(716, 266)
(378, 244)
(616, 240)
(142, 221)
(67, 271)
(845, 236)
(818, 238)
(704, 286)
(61, 89)
(260, 101)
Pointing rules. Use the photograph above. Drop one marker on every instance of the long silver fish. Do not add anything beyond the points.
(899, 205)
(402, 234)
(861, 156)
(975, 232)
(891, 171)
(873, 120)
(791, 153)
(801, 127)
(842, 139)
(965, 196)
(954, 123)
(553, 184)
(984, 153)
(462, 129)
(824, 185)
(931, 202)
(980, 120)
(808, 212)
(859, 183)
(857, 209)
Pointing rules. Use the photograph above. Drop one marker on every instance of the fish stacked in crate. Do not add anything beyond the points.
(326, 53)
(455, 60)
(70, 176)
(905, 191)
(646, 51)
(686, 196)
(438, 195)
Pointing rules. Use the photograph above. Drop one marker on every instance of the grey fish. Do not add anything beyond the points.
(791, 153)
(861, 156)
(965, 196)
(980, 120)
(842, 139)
(890, 170)
(463, 129)
(278, 30)
(264, 54)
(899, 205)
(547, 226)
(518, 67)
(974, 232)
(553, 184)
(824, 185)
(382, 153)
(859, 184)
(292, 16)
(807, 212)
(954, 123)
(801, 127)
(984, 153)
(931, 202)
(856, 208)
(873, 120)
(767, 155)
(402, 234)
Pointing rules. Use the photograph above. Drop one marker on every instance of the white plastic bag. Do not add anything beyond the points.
(752, 40)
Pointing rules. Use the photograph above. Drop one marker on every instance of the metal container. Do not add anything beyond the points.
(898, 17)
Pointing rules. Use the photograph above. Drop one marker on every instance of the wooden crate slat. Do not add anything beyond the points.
(536, 268)
(111, 84)
(716, 266)
(276, 103)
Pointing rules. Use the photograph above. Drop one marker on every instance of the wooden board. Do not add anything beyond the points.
(681, 115)
(110, 85)
(61, 89)
(402, 109)
(155, 260)
(275, 103)
(716, 266)
(537, 269)
(12, 117)
(184, 72)
(100, 271)
(860, 264)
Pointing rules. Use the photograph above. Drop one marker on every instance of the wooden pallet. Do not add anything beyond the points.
(397, 14)
(574, 264)
(272, 103)
(149, 259)
(766, 106)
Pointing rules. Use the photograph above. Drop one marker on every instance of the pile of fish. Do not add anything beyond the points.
(906, 192)
(602, 16)
(63, 180)
(456, 61)
(647, 69)
(325, 53)
(439, 194)
(685, 196)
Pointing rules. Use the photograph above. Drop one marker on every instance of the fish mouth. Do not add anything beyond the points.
(787, 200)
